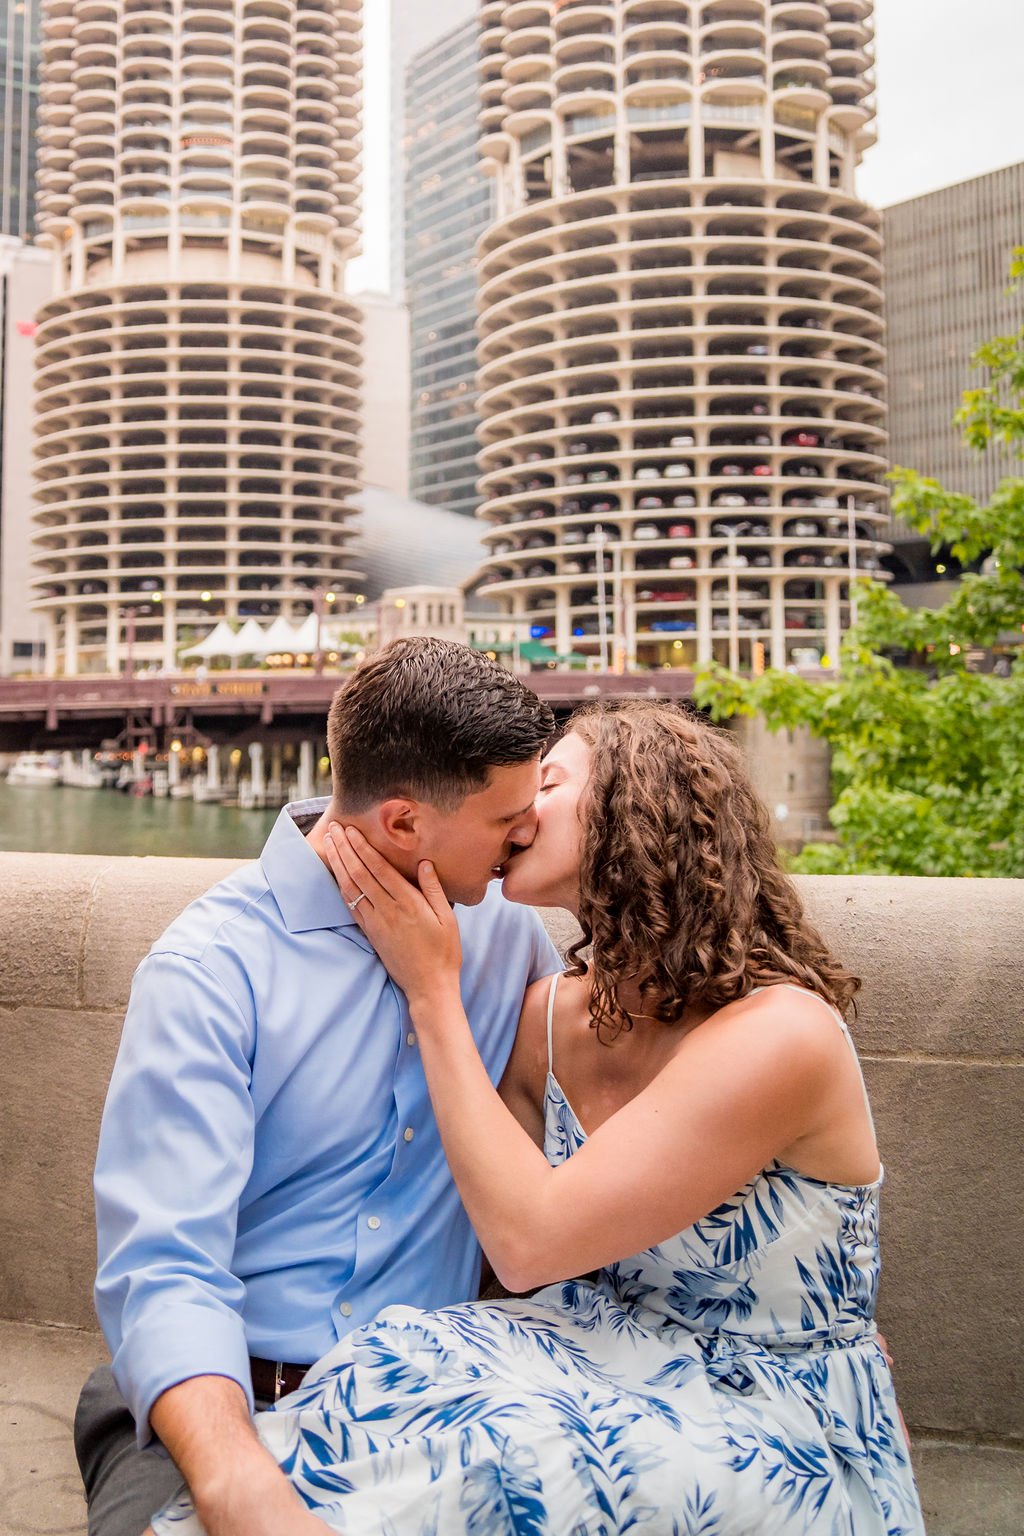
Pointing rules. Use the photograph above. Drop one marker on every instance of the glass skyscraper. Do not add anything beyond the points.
(449, 204)
(414, 26)
(20, 22)
(947, 271)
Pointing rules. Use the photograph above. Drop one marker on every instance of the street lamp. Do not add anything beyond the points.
(851, 559)
(320, 597)
(600, 537)
(603, 539)
(734, 617)
(128, 614)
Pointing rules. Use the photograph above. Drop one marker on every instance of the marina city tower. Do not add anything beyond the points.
(681, 387)
(197, 373)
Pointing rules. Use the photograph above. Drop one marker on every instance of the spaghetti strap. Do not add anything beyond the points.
(552, 989)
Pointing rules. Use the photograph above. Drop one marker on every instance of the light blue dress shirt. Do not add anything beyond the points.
(270, 1174)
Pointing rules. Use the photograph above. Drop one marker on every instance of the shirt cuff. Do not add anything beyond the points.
(182, 1342)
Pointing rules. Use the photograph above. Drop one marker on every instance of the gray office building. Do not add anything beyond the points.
(947, 263)
(20, 22)
(449, 203)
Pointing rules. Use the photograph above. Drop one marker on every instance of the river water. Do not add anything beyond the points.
(48, 820)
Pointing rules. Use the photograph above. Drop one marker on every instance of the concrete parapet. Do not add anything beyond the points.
(940, 1029)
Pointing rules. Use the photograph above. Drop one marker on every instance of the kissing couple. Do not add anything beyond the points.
(354, 1064)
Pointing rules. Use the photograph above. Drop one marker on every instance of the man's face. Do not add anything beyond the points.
(469, 845)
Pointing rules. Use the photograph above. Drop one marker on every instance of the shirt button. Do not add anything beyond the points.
(373, 1222)
(408, 1133)
(410, 1038)
(345, 1309)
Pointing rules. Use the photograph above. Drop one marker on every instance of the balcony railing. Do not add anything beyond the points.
(590, 122)
(537, 138)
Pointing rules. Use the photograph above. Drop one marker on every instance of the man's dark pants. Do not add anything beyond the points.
(124, 1487)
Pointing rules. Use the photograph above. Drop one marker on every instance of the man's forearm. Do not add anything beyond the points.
(236, 1485)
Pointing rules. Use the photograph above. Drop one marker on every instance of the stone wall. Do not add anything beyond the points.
(791, 772)
(940, 1029)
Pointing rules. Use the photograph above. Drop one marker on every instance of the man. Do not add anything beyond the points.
(269, 1172)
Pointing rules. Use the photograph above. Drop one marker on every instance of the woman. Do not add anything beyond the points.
(708, 1153)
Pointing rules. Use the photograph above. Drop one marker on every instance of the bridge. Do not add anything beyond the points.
(77, 713)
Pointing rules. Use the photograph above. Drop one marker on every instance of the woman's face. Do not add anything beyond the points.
(547, 873)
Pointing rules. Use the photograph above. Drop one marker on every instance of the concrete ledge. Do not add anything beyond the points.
(966, 1490)
(41, 1372)
(970, 1490)
(940, 1030)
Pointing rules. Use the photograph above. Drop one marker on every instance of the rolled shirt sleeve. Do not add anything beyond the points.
(175, 1153)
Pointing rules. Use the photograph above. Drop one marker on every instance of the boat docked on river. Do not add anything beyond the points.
(35, 770)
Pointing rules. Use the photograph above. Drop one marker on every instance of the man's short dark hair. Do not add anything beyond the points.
(429, 719)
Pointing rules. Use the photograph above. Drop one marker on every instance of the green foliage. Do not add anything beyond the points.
(927, 758)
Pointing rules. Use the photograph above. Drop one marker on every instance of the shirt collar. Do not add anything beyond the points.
(302, 885)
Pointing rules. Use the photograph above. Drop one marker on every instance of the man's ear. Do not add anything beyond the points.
(400, 821)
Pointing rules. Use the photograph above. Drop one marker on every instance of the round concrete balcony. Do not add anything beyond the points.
(807, 15)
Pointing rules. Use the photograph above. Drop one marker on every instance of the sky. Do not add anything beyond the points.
(950, 95)
(950, 102)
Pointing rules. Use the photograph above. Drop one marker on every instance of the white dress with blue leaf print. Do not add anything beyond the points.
(724, 1383)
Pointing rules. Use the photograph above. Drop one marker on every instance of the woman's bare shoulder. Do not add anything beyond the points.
(535, 1000)
(531, 1035)
(790, 1009)
(788, 1030)
(522, 1086)
(528, 1065)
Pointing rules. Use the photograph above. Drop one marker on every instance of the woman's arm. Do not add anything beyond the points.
(733, 1097)
(742, 1087)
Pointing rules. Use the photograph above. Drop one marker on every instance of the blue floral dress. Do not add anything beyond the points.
(724, 1383)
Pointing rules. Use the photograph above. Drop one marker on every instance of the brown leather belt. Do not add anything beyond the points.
(271, 1379)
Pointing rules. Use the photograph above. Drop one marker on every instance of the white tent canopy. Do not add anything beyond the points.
(305, 636)
(251, 640)
(279, 637)
(219, 642)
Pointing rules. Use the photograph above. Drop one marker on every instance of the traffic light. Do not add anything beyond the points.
(757, 658)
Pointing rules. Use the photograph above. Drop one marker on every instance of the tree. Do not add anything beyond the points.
(927, 753)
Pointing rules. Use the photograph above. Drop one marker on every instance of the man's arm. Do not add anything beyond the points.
(236, 1485)
(176, 1150)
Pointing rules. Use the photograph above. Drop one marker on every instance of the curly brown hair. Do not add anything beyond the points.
(680, 886)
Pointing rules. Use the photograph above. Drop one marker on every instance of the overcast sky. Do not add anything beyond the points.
(950, 96)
